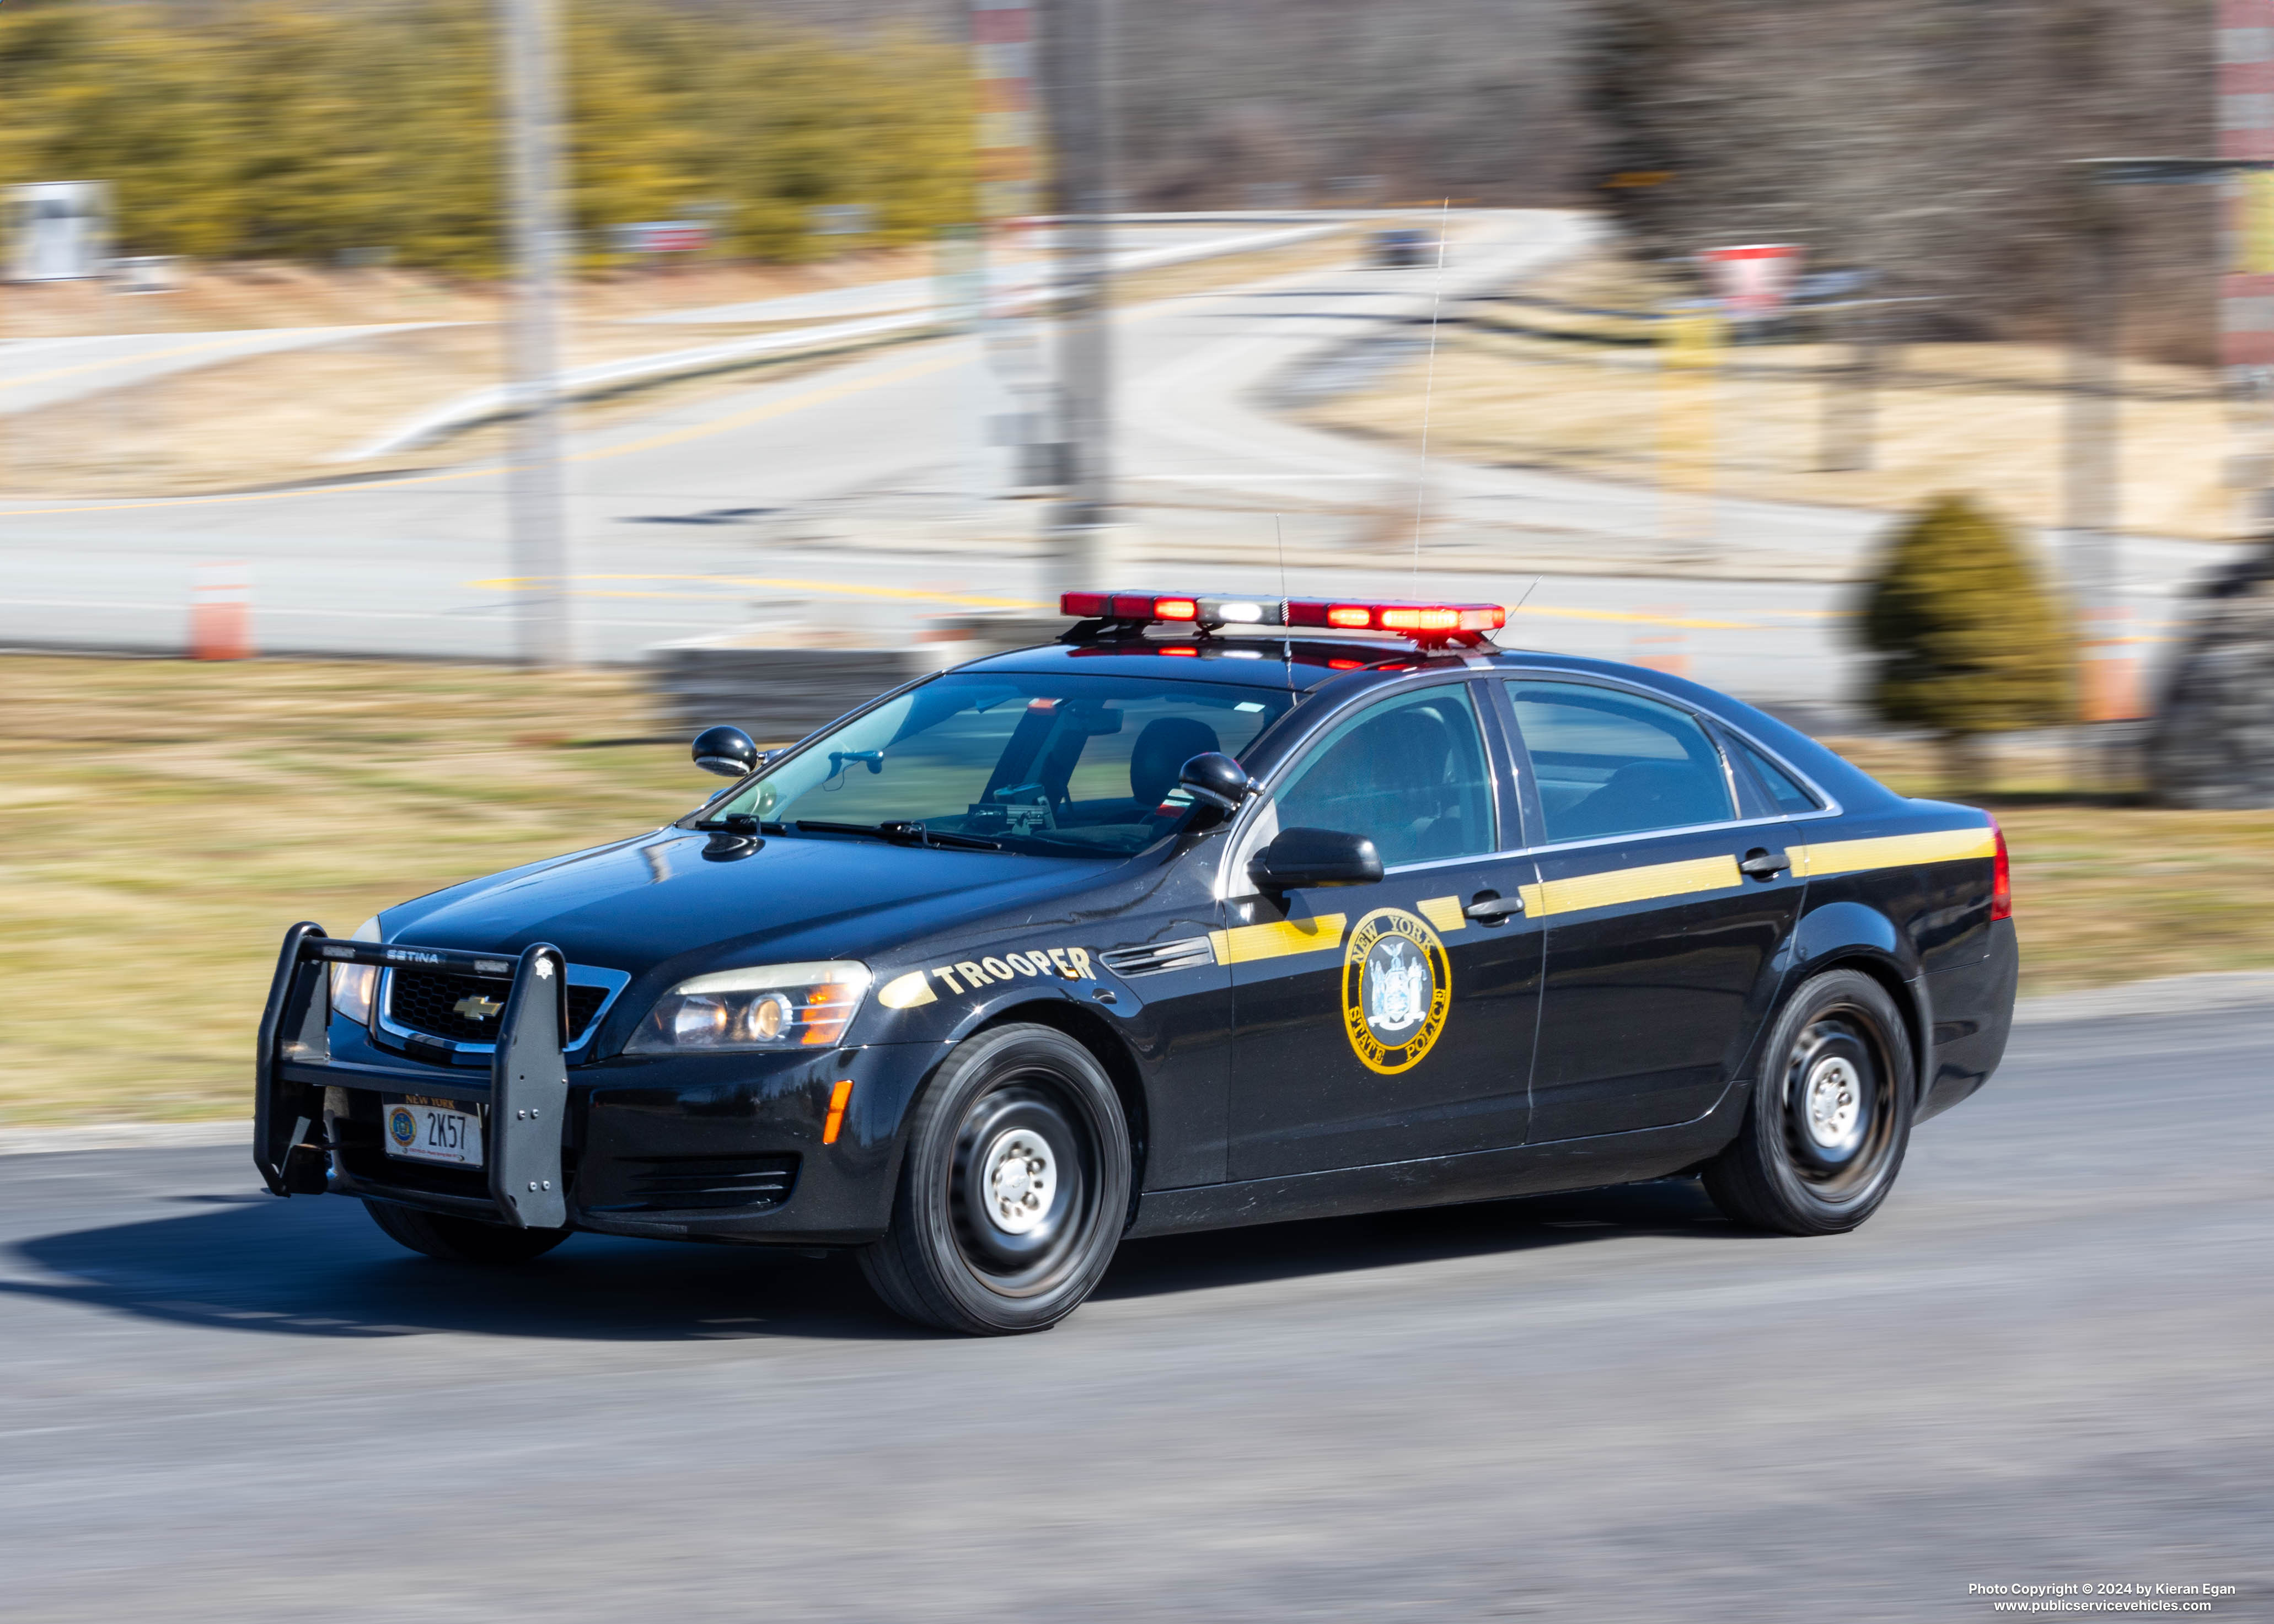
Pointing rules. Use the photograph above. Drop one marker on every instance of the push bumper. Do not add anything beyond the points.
(526, 1091)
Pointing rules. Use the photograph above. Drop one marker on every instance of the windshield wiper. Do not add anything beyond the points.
(939, 836)
(738, 823)
(905, 833)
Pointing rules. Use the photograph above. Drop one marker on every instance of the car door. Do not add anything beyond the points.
(1664, 906)
(1386, 1021)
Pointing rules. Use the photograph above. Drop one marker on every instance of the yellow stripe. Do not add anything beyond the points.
(908, 992)
(1443, 914)
(1893, 852)
(1281, 939)
(1644, 885)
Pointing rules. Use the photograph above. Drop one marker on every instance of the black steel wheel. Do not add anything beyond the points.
(1831, 1114)
(1013, 1189)
(461, 1240)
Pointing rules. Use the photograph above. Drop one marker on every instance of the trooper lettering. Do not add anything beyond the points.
(1070, 963)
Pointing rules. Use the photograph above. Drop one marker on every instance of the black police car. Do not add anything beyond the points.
(1217, 910)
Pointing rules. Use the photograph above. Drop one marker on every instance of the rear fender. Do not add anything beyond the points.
(1848, 933)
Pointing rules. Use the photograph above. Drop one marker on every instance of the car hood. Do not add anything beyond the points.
(658, 903)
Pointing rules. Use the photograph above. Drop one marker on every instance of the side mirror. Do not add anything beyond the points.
(726, 751)
(1215, 780)
(1303, 859)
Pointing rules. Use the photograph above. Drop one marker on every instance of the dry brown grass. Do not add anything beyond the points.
(226, 298)
(162, 822)
(2105, 892)
(274, 419)
(1534, 385)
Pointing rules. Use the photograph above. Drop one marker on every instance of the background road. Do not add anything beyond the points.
(2045, 1361)
(862, 497)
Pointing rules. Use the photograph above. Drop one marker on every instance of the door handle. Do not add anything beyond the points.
(1489, 909)
(1765, 865)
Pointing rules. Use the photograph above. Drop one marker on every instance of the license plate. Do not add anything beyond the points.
(421, 1129)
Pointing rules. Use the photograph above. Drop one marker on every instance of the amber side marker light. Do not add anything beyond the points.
(837, 1097)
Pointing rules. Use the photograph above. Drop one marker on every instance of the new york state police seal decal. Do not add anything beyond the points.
(1396, 988)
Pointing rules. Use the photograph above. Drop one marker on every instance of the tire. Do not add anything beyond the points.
(462, 1240)
(1831, 1113)
(1013, 1189)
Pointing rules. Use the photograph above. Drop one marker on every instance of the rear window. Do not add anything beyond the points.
(1787, 794)
(1606, 762)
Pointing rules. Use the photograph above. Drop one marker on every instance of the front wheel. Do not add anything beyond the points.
(1013, 1189)
(461, 1240)
(1830, 1116)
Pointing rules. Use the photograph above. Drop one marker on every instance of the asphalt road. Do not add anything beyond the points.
(2045, 1362)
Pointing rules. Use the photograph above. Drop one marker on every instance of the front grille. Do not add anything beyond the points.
(426, 1000)
(677, 1184)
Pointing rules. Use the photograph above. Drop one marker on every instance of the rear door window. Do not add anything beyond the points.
(1606, 762)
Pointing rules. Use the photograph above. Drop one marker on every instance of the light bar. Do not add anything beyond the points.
(1414, 619)
(1189, 608)
(1424, 622)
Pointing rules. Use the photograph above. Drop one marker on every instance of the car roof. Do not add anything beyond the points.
(1255, 660)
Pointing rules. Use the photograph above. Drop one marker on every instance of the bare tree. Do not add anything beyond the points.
(1927, 140)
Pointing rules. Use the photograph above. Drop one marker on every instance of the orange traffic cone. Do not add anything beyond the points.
(221, 612)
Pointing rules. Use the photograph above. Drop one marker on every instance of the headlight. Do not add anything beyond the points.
(772, 1006)
(352, 984)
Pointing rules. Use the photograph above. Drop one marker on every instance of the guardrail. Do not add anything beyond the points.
(1021, 295)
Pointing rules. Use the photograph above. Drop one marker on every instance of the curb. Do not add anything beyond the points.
(124, 1136)
(2168, 995)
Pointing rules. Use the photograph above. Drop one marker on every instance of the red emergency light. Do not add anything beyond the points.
(1424, 622)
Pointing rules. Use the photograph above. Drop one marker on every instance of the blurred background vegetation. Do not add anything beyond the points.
(277, 132)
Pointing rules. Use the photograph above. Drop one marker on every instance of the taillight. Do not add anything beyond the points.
(2001, 878)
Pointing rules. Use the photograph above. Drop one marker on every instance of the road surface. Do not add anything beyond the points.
(2043, 1362)
(863, 493)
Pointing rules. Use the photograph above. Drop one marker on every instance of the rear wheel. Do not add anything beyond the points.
(1013, 1189)
(461, 1240)
(1830, 1116)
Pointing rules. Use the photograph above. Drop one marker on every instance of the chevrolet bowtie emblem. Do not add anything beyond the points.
(477, 1008)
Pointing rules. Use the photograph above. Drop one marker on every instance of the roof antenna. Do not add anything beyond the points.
(1428, 389)
(1528, 591)
(1286, 633)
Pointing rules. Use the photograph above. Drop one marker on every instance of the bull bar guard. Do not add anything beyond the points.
(527, 1090)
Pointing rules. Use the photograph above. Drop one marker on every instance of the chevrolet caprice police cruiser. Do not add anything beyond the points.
(1217, 910)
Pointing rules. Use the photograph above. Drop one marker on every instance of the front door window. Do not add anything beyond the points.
(1384, 1022)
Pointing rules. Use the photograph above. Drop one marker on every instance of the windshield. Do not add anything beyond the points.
(1044, 763)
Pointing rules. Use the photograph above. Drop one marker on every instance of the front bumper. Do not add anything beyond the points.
(727, 1148)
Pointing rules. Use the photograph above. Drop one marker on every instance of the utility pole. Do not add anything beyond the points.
(1077, 99)
(2090, 484)
(533, 500)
